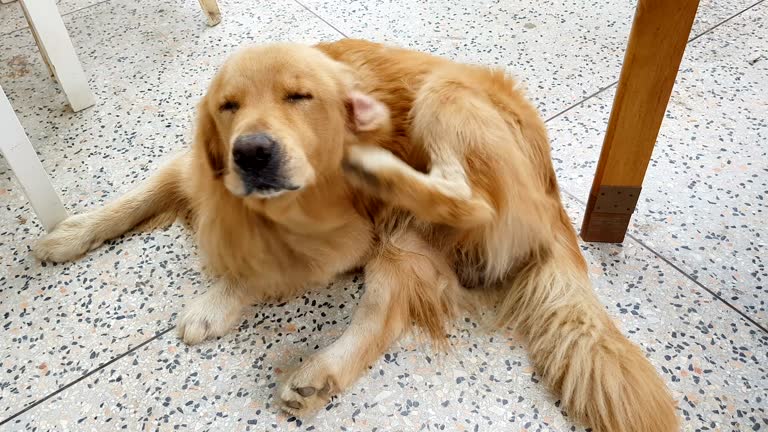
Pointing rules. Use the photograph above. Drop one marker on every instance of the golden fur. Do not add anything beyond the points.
(433, 176)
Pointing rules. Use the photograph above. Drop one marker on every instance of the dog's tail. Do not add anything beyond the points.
(156, 202)
(602, 378)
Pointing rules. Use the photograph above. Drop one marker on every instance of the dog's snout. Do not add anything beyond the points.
(260, 161)
(254, 152)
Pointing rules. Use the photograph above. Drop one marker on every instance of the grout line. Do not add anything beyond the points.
(573, 196)
(705, 32)
(62, 15)
(321, 18)
(696, 281)
(83, 8)
(685, 273)
(86, 375)
(724, 21)
(593, 95)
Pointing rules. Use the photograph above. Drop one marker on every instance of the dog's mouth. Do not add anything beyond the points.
(270, 192)
(264, 185)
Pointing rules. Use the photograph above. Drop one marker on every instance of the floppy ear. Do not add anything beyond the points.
(366, 113)
(207, 137)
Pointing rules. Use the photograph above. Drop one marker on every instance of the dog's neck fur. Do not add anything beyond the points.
(323, 207)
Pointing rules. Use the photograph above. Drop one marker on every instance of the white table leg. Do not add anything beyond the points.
(24, 163)
(57, 51)
(211, 9)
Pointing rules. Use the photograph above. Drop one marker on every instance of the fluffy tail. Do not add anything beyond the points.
(602, 378)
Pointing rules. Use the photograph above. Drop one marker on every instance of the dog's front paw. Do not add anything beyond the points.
(212, 315)
(308, 389)
(71, 239)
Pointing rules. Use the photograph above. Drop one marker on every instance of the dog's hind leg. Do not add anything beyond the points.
(406, 282)
(480, 158)
(159, 195)
(441, 196)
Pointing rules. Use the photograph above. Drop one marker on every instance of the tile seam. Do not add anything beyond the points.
(86, 375)
(684, 273)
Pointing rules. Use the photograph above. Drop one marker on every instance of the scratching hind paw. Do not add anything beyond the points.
(371, 167)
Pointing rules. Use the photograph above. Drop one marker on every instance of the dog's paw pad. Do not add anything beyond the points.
(306, 390)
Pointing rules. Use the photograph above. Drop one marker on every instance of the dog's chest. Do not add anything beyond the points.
(334, 252)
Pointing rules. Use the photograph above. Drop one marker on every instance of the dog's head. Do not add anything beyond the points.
(275, 118)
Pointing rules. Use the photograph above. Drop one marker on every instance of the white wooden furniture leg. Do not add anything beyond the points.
(211, 9)
(57, 50)
(21, 156)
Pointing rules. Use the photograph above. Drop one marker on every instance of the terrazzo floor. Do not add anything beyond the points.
(89, 345)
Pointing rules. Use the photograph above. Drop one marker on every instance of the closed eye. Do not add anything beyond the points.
(229, 106)
(298, 97)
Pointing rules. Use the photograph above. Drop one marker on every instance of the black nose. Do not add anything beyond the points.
(255, 152)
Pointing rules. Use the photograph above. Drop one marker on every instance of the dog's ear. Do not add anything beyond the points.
(366, 113)
(207, 137)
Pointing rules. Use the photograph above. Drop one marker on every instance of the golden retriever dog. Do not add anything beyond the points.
(434, 177)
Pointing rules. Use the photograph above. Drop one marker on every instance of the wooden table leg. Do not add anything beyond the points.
(212, 13)
(656, 43)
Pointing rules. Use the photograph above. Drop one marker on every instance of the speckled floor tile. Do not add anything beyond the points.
(149, 61)
(12, 17)
(703, 204)
(713, 12)
(60, 321)
(714, 360)
(563, 51)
